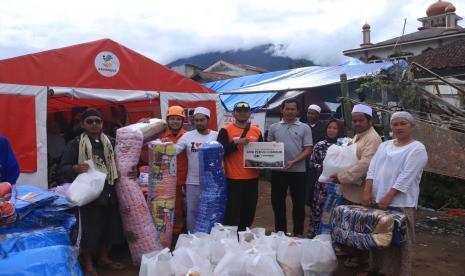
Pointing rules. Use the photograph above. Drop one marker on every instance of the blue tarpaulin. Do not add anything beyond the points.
(42, 261)
(237, 83)
(265, 86)
(256, 101)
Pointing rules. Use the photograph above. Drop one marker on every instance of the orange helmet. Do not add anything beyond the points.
(175, 110)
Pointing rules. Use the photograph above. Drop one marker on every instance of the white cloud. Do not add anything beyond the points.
(167, 30)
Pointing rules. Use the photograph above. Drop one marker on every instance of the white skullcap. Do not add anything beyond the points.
(361, 108)
(202, 110)
(315, 107)
(404, 115)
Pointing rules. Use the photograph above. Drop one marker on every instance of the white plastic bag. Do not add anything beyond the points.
(251, 235)
(262, 262)
(289, 254)
(87, 186)
(232, 264)
(157, 263)
(220, 231)
(318, 258)
(275, 239)
(186, 260)
(219, 248)
(338, 159)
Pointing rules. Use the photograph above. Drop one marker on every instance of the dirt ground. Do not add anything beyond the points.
(439, 249)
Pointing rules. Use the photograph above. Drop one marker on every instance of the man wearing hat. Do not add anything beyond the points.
(191, 142)
(100, 219)
(313, 120)
(242, 182)
(353, 179)
(318, 134)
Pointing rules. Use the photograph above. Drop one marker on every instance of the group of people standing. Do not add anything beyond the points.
(386, 175)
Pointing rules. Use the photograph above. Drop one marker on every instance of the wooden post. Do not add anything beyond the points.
(346, 109)
(384, 115)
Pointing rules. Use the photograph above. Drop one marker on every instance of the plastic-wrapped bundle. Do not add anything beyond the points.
(162, 188)
(213, 195)
(27, 198)
(46, 217)
(21, 241)
(367, 228)
(47, 261)
(137, 222)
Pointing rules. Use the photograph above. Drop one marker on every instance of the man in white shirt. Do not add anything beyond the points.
(191, 142)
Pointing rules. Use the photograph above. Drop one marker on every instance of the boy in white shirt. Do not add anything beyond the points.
(191, 142)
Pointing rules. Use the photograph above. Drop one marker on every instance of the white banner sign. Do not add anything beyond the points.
(264, 155)
(257, 119)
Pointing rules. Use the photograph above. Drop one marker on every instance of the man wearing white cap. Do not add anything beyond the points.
(353, 180)
(313, 120)
(191, 142)
(318, 134)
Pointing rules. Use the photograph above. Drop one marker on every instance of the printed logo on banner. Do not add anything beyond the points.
(107, 64)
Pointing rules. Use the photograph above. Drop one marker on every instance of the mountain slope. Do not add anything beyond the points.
(260, 56)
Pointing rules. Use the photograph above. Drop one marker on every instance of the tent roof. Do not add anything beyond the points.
(81, 66)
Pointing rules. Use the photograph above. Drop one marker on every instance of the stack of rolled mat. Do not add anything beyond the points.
(162, 188)
(367, 228)
(213, 195)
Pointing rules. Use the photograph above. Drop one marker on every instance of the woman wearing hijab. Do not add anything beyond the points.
(100, 219)
(393, 182)
(334, 130)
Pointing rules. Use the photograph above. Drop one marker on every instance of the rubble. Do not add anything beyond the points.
(439, 223)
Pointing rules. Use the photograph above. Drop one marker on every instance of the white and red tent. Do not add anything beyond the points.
(95, 74)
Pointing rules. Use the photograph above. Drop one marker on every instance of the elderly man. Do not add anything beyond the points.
(242, 182)
(191, 142)
(353, 179)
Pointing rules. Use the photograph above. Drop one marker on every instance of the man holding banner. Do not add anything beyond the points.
(242, 182)
(297, 139)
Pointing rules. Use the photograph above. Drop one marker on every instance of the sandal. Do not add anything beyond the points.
(353, 262)
(112, 265)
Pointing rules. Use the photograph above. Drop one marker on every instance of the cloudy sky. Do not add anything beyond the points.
(170, 29)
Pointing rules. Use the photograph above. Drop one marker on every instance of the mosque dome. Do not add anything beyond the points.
(438, 8)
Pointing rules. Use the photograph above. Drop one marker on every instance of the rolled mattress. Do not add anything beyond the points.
(138, 226)
(162, 188)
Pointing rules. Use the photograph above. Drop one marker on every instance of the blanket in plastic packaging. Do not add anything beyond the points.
(213, 195)
(367, 228)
